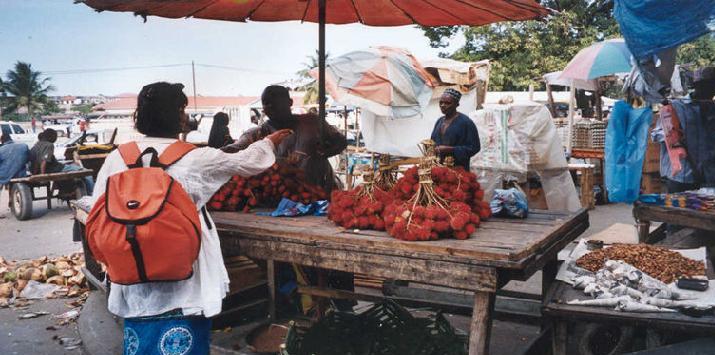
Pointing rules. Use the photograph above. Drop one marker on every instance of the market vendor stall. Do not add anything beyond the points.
(645, 214)
(500, 251)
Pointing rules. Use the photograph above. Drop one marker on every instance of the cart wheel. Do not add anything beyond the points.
(605, 339)
(21, 204)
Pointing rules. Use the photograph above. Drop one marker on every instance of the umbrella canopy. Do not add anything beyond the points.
(385, 81)
(600, 59)
(368, 12)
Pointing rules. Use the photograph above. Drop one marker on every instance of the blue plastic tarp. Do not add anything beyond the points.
(650, 26)
(626, 142)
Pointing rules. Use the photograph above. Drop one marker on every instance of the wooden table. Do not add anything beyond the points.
(561, 313)
(501, 250)
(645, 213)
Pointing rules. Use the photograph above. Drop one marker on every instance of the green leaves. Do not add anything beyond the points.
(24, 87)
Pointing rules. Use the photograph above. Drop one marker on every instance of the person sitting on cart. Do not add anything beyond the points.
(13, 160)
(454, 133)
(309, 148)
(43, 161)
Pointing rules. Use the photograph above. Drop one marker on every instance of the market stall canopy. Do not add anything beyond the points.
(383, 80)
(368, 12)
(652, 26)
(556, 79)
(600, 59)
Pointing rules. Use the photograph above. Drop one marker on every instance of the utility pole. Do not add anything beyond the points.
(193, 75)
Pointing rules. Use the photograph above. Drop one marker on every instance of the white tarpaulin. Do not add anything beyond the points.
(518, 139)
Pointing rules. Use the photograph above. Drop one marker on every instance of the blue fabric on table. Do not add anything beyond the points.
(462, 135)
(650, 26)
(13, 161)
(288, 208)
(168, 334)
(625, 148)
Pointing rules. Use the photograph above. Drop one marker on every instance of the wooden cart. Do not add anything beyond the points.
(501, 250)
(64, 185)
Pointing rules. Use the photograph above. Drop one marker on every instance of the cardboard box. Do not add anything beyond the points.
(651, 162)
(651, 183)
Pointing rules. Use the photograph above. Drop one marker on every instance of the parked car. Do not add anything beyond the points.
(17, 133)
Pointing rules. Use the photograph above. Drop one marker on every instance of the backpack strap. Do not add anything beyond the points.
(130, 153)
(174, 152)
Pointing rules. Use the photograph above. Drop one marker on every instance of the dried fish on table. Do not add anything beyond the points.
(608, 302)
(634, 306)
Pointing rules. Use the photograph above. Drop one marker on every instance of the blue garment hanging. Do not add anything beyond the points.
(625, 148)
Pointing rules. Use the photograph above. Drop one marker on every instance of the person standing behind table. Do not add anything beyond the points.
(220, 136)
(454, 133)
(43, 161)
(13, 160)
(306, 148)
(173, 317)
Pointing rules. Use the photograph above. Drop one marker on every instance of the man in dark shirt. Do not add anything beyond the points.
(43, 161)
(309, 148)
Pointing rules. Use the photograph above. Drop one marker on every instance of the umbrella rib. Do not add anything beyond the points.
(357, 12)
(201, 9)
(404, 12)
(250, 13)
(485, 10)
(305, 12)
(445, 11)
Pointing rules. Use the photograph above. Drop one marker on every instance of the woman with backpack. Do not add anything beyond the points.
(160, 247)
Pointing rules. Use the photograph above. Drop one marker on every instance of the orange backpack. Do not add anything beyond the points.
(145, 227)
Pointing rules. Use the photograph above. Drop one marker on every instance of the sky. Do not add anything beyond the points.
(67, 40)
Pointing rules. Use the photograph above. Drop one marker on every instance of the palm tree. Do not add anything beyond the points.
(26, 88)
(311, 88)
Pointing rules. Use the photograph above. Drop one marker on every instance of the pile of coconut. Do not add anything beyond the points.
(42, 278)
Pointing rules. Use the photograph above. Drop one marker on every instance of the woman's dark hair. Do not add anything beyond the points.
(219, 135)
(160, 110)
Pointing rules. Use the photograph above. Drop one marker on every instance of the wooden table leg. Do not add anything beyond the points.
(481, 325)
(643, 228)
(271, 274)
(49, 197)
(548, 275)
(559, 338)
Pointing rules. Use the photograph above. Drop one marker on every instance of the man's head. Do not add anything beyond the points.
(277, 103)
(5, 138)
(704, 83)
(449, 101)
(49, 135)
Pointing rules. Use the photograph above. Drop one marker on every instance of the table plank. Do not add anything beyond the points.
(497, 242)
(674, 215)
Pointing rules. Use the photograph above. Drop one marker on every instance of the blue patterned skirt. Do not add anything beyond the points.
(168, 334)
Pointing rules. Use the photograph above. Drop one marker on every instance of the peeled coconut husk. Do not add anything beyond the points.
(76, 280)
(49, 270)
(24, 273)
(62, 265)
(74, 291)
(2, 261)
(4, 303)
(6, 290)
(37, 275)
(39, 262)
(20, 285)
(68, 273)
(57, 280)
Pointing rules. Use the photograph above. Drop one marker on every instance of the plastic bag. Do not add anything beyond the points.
(509, 203)
(288, 208)
(624, 151)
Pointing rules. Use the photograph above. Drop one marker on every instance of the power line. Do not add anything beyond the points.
(117, 69)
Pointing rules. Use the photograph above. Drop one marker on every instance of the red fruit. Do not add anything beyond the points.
(441, 226)
(458, 221)
(215, 205)
(246, 209)
(252, 201)
(379, 224)
(461, 235)
(474, 218)
(434, 236)
(479, 195)
(442, 214)
(470, 228)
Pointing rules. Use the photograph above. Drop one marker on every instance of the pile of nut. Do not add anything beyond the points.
(63, 271)
(661, 263)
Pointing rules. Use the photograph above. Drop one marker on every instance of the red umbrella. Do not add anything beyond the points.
(368, 12)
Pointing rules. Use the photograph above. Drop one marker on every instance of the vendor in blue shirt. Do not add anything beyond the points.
(454, 133)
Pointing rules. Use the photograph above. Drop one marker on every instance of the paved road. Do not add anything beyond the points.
(48, 233)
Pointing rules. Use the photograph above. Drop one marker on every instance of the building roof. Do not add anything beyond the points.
(130, 102)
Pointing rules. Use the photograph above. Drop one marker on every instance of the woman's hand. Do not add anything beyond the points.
(443, 149)
(278, 136)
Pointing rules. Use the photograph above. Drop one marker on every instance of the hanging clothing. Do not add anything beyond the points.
(201, 173)
(697, 119)
(462, 135)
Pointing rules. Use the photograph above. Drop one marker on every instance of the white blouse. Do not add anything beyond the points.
(201, 173)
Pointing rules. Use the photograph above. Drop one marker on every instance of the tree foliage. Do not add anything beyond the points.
(700, 52)
(26, 88)
(311, 88)
(521, 52)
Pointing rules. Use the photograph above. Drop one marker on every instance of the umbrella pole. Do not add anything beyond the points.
(572, 98)
(321, 64)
